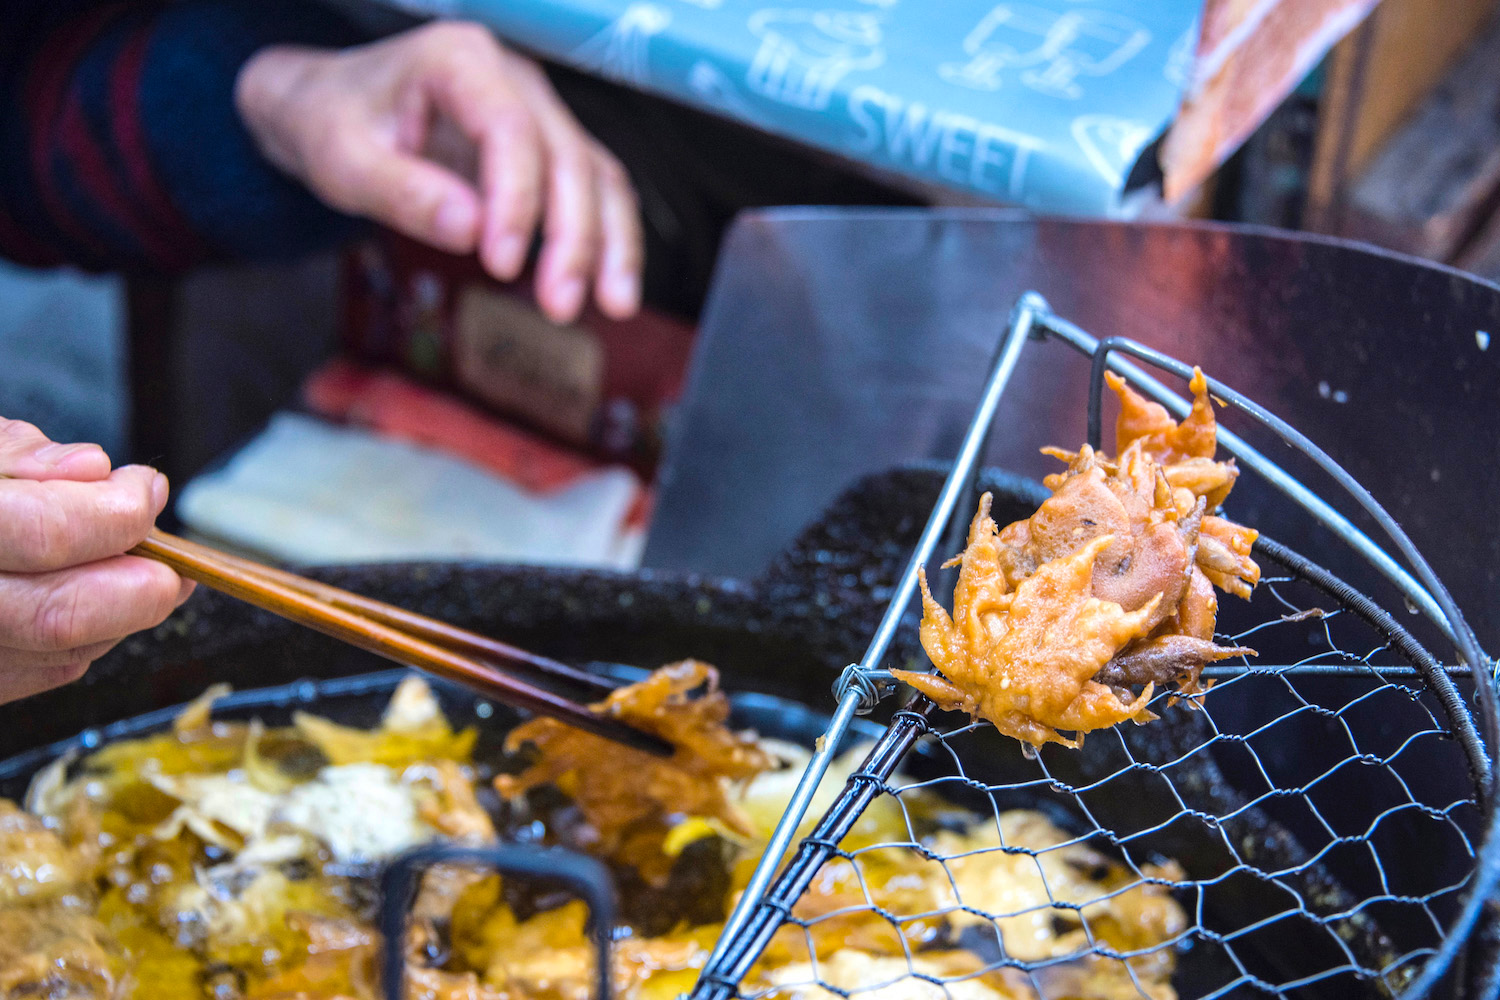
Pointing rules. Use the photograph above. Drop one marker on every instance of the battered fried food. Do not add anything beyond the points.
(1154, 540)
(57, 951)
(1023, 659)
(1042, 886)
(35, 864)
(1185, 450)
(1069, 620)
(104, 898)
(630, 798)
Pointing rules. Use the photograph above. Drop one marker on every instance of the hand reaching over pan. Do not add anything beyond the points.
(68, 592)
(447, 136)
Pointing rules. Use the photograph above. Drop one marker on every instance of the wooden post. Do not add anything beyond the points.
(1376, 78)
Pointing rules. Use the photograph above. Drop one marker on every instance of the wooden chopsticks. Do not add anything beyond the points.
(400, 635)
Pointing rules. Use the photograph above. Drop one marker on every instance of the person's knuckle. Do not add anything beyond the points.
(573, 248)
(45, 534)
(158, 595)
(470, 35)
(461, 47)
(612, 172)
(58, 623)
(523, 191)
(56, 675)
(461, 72)
(578, 253)
(565, 143)
(404, 187)
(565, 233)
(418, 207)
(340, 170)
(437, 34)
(347, 153)
(571, 162)
(325, 148)
(519, 118)
(70, 672)
(125, 506)
(18, 429)
(512, 127)
(128, 495)
(528, 71)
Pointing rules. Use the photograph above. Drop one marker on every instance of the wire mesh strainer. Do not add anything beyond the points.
(1325, 824)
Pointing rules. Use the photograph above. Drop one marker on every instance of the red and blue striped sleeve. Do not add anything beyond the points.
(120, 146)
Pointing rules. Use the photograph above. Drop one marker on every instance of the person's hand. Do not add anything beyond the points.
(67, 592)
(371, 130)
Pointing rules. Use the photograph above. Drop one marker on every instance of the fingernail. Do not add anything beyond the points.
(159, 490)
(569, 297)
(508, 255)
(454, 221)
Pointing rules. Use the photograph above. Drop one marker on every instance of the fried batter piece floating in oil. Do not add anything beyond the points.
(629, 798)
(1070, 619)
(186, 864)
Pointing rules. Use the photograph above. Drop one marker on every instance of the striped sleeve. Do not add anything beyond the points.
(120, 146)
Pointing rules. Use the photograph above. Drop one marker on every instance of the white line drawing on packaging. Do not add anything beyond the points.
(1009, 35)
(1053, 48)
(1099, 43)
(1111, 144)
(804, 53)
(620, 51)
(717, 91)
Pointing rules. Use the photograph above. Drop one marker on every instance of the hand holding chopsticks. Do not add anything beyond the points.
(398, 635)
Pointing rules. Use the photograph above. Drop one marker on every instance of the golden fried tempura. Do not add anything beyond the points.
(629, 797)
(1023, 659)
(1069, 619)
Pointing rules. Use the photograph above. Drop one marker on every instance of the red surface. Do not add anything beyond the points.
(398, 407)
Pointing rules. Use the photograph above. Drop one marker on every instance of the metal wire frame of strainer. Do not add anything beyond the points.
(1332, 815)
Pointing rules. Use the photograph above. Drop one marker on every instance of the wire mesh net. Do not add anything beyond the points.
(1292, 834)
